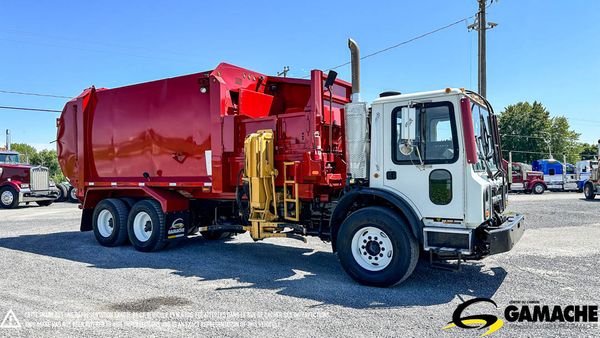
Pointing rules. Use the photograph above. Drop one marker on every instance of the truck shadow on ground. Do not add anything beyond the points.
(291, 271)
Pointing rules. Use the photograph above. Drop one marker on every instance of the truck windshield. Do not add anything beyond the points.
(9, 158)
(484, 139)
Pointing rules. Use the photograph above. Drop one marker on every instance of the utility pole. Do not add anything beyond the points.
(286, 69)
(480, 25)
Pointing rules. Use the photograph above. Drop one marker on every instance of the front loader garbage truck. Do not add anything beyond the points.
(231, 150)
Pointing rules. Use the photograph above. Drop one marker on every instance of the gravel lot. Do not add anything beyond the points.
(60, 282)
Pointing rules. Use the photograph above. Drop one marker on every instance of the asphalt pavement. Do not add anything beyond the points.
(56, 281)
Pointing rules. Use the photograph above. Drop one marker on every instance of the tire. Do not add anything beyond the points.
(63, 190)
(44, 203)
(215, 235)
(109, 222)
(377, 227)
(129, 201)
(72, 195)
(588, 191)
(9, 197)
(146, 226)
(538, 188)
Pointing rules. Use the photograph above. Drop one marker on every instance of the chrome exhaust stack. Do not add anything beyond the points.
(8, 139)
(356, 124)
(355, 64)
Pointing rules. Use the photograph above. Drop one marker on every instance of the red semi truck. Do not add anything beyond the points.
(21, 182)
(231, 150)
(521, 177)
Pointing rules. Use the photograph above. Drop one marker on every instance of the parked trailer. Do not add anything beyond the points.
(231, 150)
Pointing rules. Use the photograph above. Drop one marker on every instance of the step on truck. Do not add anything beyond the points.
(231, 151)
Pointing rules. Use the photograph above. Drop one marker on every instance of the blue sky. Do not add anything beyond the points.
(541, 50)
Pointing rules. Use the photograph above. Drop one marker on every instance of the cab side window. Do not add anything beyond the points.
(435, 139)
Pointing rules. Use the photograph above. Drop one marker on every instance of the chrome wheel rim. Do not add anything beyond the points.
(106, 223)
(7, 198)
(372, 249)
(142, 226)
(539, 188)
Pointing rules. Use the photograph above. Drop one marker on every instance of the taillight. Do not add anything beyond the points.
(468, 130)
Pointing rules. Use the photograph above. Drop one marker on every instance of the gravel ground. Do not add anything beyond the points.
(60, 282)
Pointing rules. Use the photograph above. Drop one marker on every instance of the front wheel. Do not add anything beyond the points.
(375, 247)
(588, 191)
(538, 189)
(9, 197)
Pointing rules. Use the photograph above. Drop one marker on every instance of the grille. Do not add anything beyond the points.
(39, 178)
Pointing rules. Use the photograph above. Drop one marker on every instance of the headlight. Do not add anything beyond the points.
(1, 170)
(51, 183)
(24, 185)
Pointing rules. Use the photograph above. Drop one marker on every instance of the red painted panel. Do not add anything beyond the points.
(166, 128)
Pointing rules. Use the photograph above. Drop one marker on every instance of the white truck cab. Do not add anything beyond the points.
(430, 169)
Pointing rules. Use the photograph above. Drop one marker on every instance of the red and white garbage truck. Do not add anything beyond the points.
(231, 150)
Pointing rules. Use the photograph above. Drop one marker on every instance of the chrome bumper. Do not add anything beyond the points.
(27, 195)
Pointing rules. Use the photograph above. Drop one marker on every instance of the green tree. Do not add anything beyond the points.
(588, 151)
(528, 130)
(23, 149)
(49, 159)
(46, 158)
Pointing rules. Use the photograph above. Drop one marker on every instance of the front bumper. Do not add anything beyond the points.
(474, 243)
(27, 195)
(504, 237)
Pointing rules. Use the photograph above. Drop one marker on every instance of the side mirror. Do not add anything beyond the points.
(409, 124)
(331, 76)
(408, 130)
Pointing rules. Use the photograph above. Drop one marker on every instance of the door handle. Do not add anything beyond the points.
(390, 175)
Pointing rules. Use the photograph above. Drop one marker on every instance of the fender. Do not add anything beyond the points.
(370, 197)
(12, 183)
(534, 182)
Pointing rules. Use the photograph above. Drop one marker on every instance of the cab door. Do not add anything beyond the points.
(430, 176)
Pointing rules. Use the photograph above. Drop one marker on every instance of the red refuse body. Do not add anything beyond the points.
(187, 133)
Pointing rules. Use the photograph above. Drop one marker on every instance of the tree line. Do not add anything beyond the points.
(46, 158)
(531, 133)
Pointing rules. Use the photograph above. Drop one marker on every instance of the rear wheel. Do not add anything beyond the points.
(62, 192)
(9, 197)
(588, 191)
(146, 226)
(538, 188)
(72, 195)
(109, 222)
(376, 248)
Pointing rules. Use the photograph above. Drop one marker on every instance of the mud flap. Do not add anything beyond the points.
(86, 220)
(177, 224)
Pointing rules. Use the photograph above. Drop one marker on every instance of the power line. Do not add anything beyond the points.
(31, 109)
(34, 94)
(406, 41)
